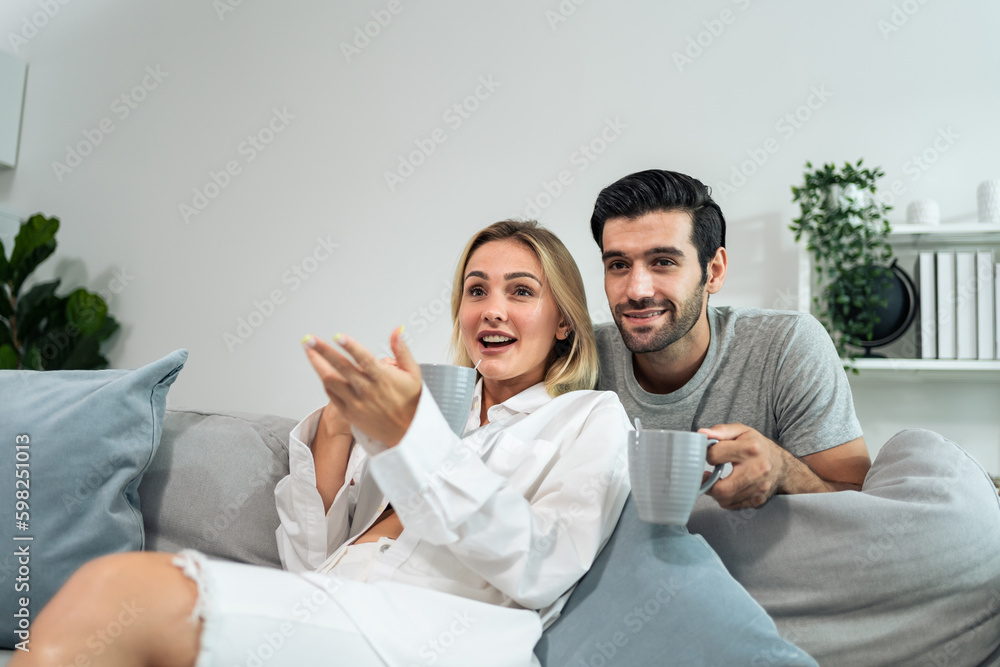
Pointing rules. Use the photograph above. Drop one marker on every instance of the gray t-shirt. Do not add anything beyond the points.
(775, 371)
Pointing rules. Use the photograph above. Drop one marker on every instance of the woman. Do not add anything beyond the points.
(405, 543)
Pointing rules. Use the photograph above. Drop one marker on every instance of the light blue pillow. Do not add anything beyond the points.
(657, 595)
(75, 445)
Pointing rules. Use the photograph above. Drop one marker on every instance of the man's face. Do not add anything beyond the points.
(653, 279)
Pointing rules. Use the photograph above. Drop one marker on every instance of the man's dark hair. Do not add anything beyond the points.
(656, 190)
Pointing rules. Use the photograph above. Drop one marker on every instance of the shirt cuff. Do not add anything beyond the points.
(301, 465)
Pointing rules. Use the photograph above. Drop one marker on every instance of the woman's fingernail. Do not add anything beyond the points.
(400, 330)
(308, 340)
(340, 339)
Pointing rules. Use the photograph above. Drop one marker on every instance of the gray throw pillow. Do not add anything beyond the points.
(76, 444)
(905, 572)
(658, 595)
(211, 485)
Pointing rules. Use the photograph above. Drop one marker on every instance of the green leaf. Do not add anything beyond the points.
(85, 355)
(35, 241)
(31, 358)
(5, 335)
(110, 326)
(35, 306)
(86, 311)
(8, 358)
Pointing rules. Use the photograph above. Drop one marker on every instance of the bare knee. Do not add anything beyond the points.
(126, 604)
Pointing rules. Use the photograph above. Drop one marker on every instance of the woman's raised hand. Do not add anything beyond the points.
(379, 399)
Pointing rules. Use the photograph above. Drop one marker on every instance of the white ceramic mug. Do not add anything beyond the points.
(665, 468)
(452, 388)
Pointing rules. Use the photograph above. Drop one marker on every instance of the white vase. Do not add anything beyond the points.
(923, 212)
(989, 201)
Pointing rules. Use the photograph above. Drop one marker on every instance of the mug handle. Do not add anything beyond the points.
(714, 477)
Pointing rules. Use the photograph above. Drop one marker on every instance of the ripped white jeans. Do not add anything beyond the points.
(263, 617)
(258, 616)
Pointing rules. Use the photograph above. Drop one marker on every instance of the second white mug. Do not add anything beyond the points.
(665, 468)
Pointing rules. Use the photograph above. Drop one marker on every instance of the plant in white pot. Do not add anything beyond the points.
(846, 230)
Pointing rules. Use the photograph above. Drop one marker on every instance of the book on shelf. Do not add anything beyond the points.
(965, 305)
(945, 291)
(985, 305)
(927, 324)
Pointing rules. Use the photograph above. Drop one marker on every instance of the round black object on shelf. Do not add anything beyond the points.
(900, 309)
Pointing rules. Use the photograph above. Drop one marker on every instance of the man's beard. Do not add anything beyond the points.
(641, 342)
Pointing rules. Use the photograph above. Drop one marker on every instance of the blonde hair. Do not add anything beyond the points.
(573, 363)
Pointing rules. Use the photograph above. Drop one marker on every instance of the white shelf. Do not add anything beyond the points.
(948, 228)
(915, 237)
(963, 232)
(930, 365)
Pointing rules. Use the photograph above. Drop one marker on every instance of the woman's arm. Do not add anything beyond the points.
(533, 550)
(331, 449)
(312, 527)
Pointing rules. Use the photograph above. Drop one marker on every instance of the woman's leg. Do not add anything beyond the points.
(123, 609)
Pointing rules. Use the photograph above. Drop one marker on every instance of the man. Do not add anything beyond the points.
(767, 384)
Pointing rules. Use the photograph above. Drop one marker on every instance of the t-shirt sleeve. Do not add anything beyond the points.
(814, 408)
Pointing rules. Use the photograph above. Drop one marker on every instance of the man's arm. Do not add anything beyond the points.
(762, 468)
(841, 468)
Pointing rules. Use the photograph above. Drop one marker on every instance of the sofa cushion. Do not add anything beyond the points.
(76, 445)
(658, 595)
(905, 572)
(211, 485)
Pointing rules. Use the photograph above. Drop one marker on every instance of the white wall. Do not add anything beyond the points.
(883, 95)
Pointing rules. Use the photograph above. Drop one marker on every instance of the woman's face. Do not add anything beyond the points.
(509, 318)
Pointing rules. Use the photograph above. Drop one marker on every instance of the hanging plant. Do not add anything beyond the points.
(38, 329)
(846, 231)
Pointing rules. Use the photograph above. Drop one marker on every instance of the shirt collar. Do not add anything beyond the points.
(527, 401)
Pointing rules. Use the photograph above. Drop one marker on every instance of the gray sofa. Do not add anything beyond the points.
(906, 572)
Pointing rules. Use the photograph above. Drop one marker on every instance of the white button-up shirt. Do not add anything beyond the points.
(513, 513)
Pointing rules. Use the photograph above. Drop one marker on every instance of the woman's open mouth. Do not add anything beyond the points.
(496, 341)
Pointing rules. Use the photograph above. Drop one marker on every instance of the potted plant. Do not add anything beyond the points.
(846, 231)
(38, 329)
